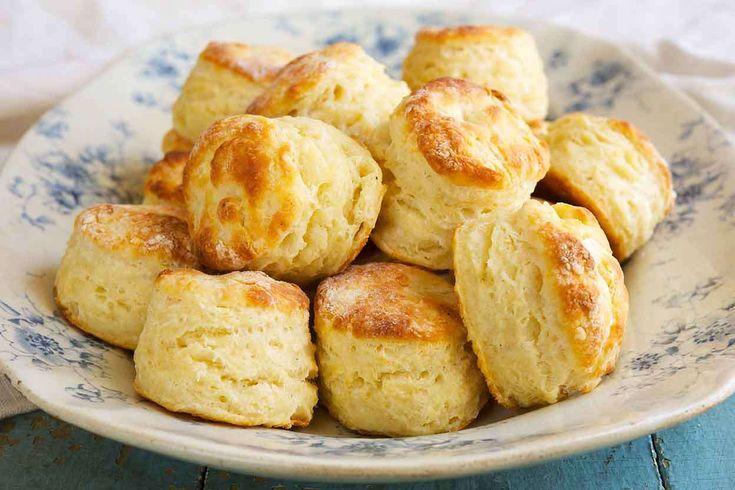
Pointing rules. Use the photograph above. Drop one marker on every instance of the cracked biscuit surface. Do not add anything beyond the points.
(340, 85)
(543, 300)
(225, 79)
(458, 151)
(290, 196)
(233, 348)
(163, 184)
(501, 58)
(611, 168)
(112, 258)
(393, 354)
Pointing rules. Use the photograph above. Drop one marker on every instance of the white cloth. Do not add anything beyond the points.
(51, 47)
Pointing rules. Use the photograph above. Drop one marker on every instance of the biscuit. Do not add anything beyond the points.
(393, 354)
(291, 196)
(502, 58)
(233, 348)
(458, 151)
(611, 168)
(224, 80)
(539, 127)
(111, 261)
(163, 184)
(543, 300)
(173, 141)
(340, 85)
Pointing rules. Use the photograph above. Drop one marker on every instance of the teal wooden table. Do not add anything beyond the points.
(38, 451)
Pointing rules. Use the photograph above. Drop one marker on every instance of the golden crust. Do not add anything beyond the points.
(205, 415)
(458, 151)
(646, 148)
(389, 301)
(76, 320)
(259, 64)
(450, 143)
(163, 184)
(138, 230)
(393, 353)
(298, 77)
(223, 82)
(174, 142)
(254, 189)
(468, 32)
(244, 158)
(340, 85)
(244, 354)
(596, 161)
(502, 58)
(572, 300)
(248, 288)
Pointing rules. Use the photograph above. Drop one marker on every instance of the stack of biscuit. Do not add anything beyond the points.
(277, 172)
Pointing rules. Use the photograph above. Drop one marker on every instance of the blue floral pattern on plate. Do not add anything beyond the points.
(679, 354)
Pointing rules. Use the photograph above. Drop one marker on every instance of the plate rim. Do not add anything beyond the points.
(326, 468)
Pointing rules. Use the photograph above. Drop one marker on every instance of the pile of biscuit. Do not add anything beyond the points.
(276, 174)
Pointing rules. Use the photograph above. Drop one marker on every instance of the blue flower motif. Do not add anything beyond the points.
(52, 125)
(42, 344)
(85, 392)
(168, 64)
(558, 59)
(600, 88)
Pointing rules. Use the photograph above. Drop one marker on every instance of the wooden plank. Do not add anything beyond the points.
(629, 465)
(38, 451)
(699, 453)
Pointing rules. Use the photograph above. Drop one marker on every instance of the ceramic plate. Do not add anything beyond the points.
(679, 352)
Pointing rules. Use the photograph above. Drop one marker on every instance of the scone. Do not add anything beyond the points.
(502, 58)
(340, 85)
(539, 127)
(393, 354)
(291, 196)
(225, 79)
(543, 300)
(173, 141)
(612, 169)
(458, 151)
(111, 261)
(233, 348)
(163, 184)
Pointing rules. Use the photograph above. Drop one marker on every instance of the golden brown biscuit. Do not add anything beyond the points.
(233, 348)
(291, 196)
(611, 168)
(543, 300)
(458, 151)
(501, 58)
(393, 354)
(340, 85)
(225, 79)
(163, 184)
(174, 142)
(113, 256)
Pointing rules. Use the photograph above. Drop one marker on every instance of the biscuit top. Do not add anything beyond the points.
(469, 33)
(244, 160)
(471, 135)
(301, 75)
(252, 289)
(165, 177)
(138, 230)
(390, 301)
(256, 63)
